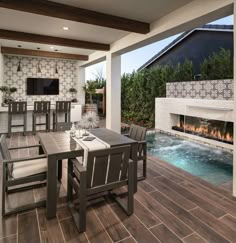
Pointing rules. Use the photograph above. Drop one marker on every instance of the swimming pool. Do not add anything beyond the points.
(211, 164)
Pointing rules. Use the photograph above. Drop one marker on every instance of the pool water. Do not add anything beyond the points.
(211, 164)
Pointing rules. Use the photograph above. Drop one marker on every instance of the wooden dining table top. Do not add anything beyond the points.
(61, 142)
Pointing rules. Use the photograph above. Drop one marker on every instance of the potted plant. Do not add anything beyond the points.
(90, 90)
(73, 91)
(7, 92)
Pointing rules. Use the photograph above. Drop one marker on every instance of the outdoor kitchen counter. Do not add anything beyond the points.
(76, 113)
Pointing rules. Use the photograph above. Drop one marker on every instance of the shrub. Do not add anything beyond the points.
(217, 66)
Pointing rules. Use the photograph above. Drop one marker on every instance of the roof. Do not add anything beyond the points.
(207, 27)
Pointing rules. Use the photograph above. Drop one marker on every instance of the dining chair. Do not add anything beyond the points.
(17, 174)
(17, 108)
(62, 108)
(106, 170)
(138, 133)
(41, 108)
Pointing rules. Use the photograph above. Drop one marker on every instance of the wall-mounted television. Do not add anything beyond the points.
(42, 86)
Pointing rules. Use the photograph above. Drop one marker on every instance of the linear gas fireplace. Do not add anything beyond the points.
(221, 131)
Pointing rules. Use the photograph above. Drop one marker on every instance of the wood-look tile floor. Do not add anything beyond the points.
(170, 206)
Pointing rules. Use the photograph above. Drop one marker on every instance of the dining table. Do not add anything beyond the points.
(59, 146)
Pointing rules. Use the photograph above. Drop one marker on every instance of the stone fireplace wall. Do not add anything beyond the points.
(209, 89)
(168, 111)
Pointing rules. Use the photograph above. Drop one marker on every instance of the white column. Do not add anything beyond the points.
(113, 92)
(80, 84)
(234, 151)
(1, 73)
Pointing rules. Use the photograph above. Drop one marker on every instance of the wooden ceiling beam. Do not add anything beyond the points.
(36, 53)
(51, 40)
(62, 11)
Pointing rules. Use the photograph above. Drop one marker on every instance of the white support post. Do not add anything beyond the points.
(1, 73)
(234, 151)
(80, 84)
(113, 92)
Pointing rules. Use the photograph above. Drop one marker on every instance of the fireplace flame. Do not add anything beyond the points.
(203, 130)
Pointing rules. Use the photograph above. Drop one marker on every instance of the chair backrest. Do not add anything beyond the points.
(137, 133)
(5, 153)
(17, 107)
(107, 166)
(63, 106)
(42, 107)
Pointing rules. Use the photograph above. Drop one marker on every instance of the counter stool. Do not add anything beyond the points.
(41, 108)
(17, 108)
(62, 107)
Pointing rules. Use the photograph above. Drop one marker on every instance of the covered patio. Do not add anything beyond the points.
(171, 205)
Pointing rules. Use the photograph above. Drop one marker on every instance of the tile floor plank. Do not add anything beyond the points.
(94, 230)
(172, 222)
(71, 233)
(28, 230)
(164, 234)
(211, 221)
(110, 221)
(194, 223)
(194, 238)
(172, 194)
(217, 212)
(49, 229)
(135, 227)
(228, 220)
(10, 239)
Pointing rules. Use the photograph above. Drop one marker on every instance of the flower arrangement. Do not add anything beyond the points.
(7, 92)
(90, 120)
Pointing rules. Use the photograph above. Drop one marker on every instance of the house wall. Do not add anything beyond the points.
(208, 89)
(67, 74)
(196, 47)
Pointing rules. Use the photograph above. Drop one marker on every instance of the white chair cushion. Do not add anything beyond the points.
(28, 168)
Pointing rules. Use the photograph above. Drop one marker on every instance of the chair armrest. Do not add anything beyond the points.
(142, 142)
(25, 147)
(10, 161)
(125, 134)
(78, 165)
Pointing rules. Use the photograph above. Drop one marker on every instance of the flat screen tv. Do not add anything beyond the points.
(42, 86)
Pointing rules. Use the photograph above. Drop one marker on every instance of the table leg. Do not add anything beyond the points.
(51, 204)
(59, 170)
(134, 152)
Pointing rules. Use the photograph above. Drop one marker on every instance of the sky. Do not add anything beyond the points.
(133, 60)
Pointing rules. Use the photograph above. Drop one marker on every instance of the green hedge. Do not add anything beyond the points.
(217, 66)
(139, 90)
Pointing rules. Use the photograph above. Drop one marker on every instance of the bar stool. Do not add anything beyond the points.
(62, 107)
(17, 108)
(41, 108)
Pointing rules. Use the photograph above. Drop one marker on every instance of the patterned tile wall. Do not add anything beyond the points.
(210, 89)
(67, 75)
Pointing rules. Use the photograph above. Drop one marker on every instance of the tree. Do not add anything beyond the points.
(217, 66)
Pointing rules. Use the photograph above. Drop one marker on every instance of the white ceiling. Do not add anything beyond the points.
(141, 10)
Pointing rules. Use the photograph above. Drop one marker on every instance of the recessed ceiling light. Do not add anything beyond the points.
(19, 46)
(65, 28)
(52, 47)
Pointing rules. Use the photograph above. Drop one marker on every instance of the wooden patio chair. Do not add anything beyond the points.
(41, 108)
(62, 108)
(138, 133)
(18, 173)
(106, 170)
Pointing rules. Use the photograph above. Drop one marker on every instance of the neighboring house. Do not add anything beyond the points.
(195, 45)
